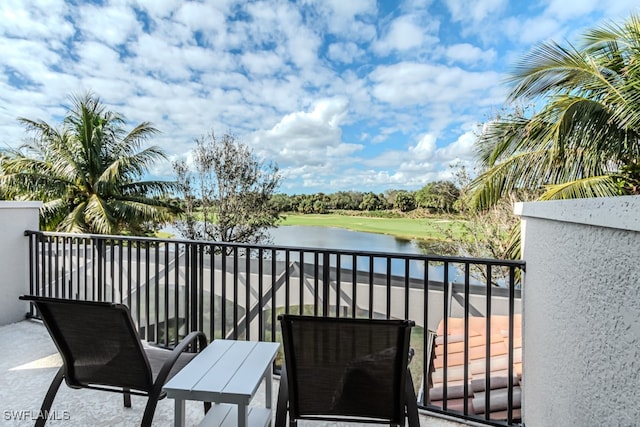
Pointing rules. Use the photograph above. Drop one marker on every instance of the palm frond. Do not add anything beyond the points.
(127, 167)
(149, 188)
(594, 186)
(99, 216)
(143, 210)
(74, 221)
(140, 133)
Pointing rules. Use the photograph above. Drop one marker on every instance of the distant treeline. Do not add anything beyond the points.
(435, 197)
(440, 197)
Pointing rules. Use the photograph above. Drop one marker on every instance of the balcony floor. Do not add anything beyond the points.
(28, 363)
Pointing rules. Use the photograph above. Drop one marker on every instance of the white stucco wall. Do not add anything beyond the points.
(15, 218)
(581, 312)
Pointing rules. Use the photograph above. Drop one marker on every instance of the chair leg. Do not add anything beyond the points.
(152, 402)
(127, 397)
(283, 401)
(48, 399)
(411, 401)
(149, 412)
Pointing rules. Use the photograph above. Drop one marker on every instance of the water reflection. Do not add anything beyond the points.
(338, 238)
(341, 239)
(347, 240)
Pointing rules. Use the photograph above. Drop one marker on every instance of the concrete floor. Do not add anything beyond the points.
(28, 363)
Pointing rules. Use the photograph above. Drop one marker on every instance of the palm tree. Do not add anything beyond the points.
(584, 139)
(88, 172)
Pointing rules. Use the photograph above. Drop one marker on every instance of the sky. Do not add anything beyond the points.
(342, 95)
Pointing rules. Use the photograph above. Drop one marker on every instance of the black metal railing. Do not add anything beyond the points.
(465, 308)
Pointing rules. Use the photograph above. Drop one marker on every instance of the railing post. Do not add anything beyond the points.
(326, 282)
(193, 288)
(101, 255)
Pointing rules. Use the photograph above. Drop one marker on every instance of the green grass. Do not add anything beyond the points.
(406, 228)
(162, 235)
(429, 230)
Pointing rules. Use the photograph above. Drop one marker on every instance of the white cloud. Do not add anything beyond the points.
(482, 18)
(562, 9)
(409, 83)
(303, 48)
(262, 63)
(312, 138)
(281, 25)
(160, 57)
(113, 25)
(476, 11)
(381, 179)
(35, 19)
(159, 9)
(348, 19)
(403, 34)
(425, 147)
(200, 17)
(27, 58)
(344, 52)
(539, 28)
(347, 11)
(462, 149)
(619, 8)
(468, 54)
(419, 163)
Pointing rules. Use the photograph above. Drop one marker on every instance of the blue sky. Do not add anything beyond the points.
(342, 94)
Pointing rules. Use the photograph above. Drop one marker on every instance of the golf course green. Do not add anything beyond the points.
(406, 228)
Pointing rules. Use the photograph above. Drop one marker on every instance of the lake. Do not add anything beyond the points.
(341, 239)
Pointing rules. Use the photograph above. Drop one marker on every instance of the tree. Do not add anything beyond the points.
(305, 205)
(282, 202)
(371, 202)
(404, 201)
(88, 172)
(234, 187)
(439, 196)
(583, 141)
(490, 233)
(349, 200)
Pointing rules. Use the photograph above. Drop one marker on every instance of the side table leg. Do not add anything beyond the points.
(268, 396)
(179, 415)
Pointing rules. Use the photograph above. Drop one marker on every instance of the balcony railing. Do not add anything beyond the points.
(467, 362)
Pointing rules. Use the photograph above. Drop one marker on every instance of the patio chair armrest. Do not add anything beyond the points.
(175, 353)
(188, 340)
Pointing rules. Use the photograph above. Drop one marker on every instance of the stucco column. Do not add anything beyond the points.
(581, 312)
(15, 218)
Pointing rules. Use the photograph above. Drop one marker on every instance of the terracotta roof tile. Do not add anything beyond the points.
(476, 355)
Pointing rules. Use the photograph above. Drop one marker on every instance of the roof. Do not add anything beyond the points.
(477, 351)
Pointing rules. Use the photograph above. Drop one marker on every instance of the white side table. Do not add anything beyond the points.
(227, 373)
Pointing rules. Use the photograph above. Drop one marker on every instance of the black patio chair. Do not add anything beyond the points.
(341, 369)
(101, 350)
